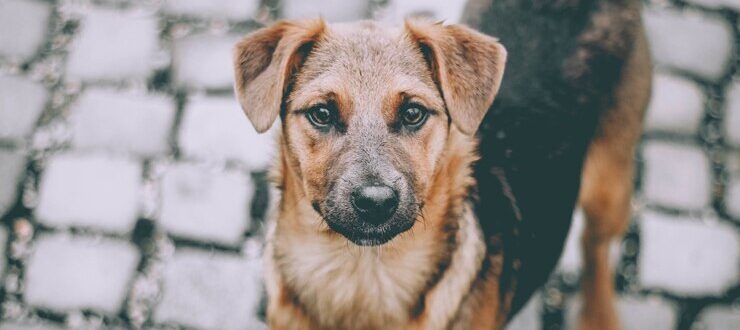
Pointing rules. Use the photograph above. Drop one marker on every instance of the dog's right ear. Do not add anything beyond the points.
(265, 60)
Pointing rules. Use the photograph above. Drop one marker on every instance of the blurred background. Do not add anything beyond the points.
(133, 192)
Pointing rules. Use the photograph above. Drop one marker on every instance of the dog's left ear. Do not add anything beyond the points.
(466, 65)
(265, 60)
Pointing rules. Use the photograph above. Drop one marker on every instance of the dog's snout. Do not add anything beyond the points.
(375, 203)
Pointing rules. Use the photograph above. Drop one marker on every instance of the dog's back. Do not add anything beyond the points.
(566, 63)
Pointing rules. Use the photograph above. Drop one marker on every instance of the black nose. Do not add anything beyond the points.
(375, 203)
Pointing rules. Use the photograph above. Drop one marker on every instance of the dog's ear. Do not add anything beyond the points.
(265, 60)
(466, 65)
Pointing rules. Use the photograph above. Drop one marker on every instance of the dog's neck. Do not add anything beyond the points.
(420, 277)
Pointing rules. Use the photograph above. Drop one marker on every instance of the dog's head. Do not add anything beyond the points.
(366, 111)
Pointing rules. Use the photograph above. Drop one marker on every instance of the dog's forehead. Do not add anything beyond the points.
(364, 53)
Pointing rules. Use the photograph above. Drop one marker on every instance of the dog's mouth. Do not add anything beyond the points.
(369, 236)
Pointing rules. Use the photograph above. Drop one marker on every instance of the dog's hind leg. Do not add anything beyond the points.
(606, 188)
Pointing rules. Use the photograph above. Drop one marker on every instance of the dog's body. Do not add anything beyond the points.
(387, 217)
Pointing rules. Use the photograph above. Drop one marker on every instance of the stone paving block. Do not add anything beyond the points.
(210, 290)
(216, 128)
(676, 175)
(229, 9)
(204, 204)
(719, 318)
(732, 196)
(105, 119)
(691, 41)
(449, 11)
(66, 273)
(114, 45)
(91, 191)
(12, 168)
(634, 313)
(529, 317)
(677, 105)
(687, 257)
(732, 115)
(330, 10)
(21, 104)
(718, 4)
(23, 27)
(204, 61)
(28, 325)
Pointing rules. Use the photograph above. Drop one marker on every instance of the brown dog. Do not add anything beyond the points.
(378, 225)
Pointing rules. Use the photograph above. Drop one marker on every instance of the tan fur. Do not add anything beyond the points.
(606, 188)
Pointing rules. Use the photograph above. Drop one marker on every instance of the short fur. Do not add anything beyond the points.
(456, 264)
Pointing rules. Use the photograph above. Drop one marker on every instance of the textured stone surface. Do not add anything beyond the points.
(732, 115)
(210, 291)
(689, 41)
(635, 313)
(529, 317)
(23, 26)
(330, 10)
(720, 318)
(230, 9)
(88, 273)
(677, 105)
(216, 128)
(90, 191)
(449, 11)
(730, 4)
(113, 45)
(21, 104)
(732, 196)
(191, 53)
(12, 166)
(205, 205)
(676, 175)
(105, 119)
(686, 257)
(28, 325)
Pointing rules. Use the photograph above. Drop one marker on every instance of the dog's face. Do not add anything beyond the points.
(366, 111)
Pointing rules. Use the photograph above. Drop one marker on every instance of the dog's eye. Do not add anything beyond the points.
(413, 115)
(320, 116)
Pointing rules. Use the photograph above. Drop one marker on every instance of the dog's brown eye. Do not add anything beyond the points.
(320, 116)
(413, 115)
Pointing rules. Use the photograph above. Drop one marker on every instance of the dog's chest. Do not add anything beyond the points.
(349, 287)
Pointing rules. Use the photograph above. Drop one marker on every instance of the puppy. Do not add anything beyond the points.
(391, 214)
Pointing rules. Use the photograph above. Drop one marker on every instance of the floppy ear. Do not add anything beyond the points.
(265, 60)
(466, 65)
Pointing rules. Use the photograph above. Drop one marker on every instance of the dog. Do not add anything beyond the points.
(420, 186)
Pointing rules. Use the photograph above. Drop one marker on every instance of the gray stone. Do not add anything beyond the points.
(66, 273)
(691, 41)
(215, 128)
(28, 325)
(330, 10)
(204, 204)
(21, 104)
(105, 119)
(686, 256)
(12, 166)
(210, 290)
(719, 318)
(718, 4)
(676, 175)
(204, 61)
(634, 313)
(449, 11)
(677, 105)
(113, 45)
(90, 191)
(530, 317)
(229, 9)
(23, 26)
(732, 115)
(732, 196)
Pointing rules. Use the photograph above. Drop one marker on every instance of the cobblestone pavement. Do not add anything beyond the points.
(132, 188)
